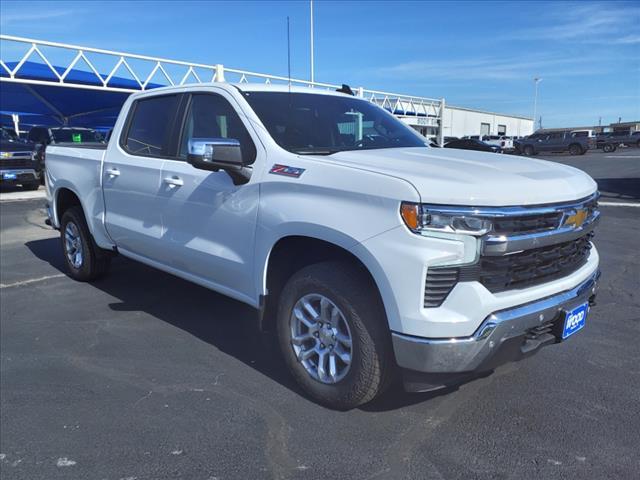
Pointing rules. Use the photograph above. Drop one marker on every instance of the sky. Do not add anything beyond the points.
(474, 54)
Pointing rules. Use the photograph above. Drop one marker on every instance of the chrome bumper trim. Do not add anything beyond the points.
(474, 353)
(18, 171)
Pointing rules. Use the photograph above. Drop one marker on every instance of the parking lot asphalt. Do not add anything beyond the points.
(143, 375)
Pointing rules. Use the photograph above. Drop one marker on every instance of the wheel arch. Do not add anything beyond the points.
(291, 253)
(65, 198)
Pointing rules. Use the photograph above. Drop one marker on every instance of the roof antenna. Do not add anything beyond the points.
(288, 54)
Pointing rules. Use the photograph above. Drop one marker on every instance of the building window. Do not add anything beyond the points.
(502, 129)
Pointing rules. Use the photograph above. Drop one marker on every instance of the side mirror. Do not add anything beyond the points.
(215, 154)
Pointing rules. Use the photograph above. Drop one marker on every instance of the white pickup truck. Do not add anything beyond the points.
(372, 255)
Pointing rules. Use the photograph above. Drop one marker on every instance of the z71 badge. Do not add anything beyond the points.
(286, 170)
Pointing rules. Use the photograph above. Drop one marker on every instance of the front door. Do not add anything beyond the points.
(131, 176)
(209, 221)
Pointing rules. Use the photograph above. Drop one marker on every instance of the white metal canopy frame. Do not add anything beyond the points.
(145, 72)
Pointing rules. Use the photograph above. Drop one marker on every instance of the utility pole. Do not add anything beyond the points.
(311, 43)
(536, 81)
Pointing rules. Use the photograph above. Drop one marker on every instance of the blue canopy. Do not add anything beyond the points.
(60, 104)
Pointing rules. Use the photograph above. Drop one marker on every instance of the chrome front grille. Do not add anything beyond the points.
(526, 247)
(527, 223)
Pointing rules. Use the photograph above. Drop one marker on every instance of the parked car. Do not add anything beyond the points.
(502, 141)
(471, 144)
(583, 133)
(574, 143)
(19, 163)
(369, 254)
(610, 141)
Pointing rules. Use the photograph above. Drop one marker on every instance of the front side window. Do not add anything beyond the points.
(308, 123)
(150, 126)
(212, 116)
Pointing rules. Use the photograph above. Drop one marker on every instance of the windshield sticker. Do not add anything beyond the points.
(77, 138)
(286, 170)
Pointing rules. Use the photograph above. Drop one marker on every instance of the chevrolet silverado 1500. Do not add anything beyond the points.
(370, 254)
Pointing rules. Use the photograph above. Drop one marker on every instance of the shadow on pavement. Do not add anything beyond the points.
(228, 325)
(619, 188)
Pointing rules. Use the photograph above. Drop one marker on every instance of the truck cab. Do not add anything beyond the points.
(367, 253)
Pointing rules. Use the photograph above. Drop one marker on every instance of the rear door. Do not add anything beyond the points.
(209, 222)
(131, 175)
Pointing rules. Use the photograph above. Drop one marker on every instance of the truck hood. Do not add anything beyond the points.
(466, 177)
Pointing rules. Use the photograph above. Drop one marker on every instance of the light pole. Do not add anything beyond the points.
(536, 81)
(311, 35)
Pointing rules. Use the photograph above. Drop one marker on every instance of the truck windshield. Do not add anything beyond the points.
(313, 124)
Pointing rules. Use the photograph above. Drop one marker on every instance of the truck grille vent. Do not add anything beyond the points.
(528, 268)
(440, 282)
(17, 163)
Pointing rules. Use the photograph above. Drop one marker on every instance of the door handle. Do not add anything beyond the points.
(173, 181)
(112, 172)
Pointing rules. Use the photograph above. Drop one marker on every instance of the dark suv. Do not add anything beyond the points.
(19, 163)
(559, 142)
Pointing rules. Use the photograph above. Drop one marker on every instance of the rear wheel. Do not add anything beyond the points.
(334, 336)
(575, 149)
(608, 148)
(528, 150)
(85, 260)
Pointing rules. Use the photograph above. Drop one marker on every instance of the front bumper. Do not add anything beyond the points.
(503, 336)
(21, 175)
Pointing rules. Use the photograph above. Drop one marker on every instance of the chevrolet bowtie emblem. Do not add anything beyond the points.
(576, 219)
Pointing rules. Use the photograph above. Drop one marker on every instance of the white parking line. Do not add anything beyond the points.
(30, 281)
(622, 156)
(619, 204)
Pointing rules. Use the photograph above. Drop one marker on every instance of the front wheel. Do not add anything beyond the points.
(608, 148)
(528, 150)
(333, 335)
(85, 260)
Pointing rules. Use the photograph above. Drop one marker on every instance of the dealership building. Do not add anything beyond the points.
(53, 84)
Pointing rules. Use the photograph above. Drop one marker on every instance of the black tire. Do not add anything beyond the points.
(94, 260)
(31, 185)
(608, 148)
(372, 363)
(528, 150)
(575, 149)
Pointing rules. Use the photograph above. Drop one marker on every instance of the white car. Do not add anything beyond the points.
(370, 254)
(502, 141)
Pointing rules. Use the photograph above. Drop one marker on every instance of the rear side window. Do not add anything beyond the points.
(150, 126)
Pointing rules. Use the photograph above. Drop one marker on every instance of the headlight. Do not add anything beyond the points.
(5, 154)
(421, 218)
